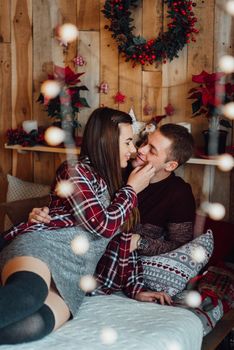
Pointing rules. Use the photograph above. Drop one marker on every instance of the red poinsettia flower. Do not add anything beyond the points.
(210, 95)
(69, 97)
(158, 118)
(206, 78)
(65, 75)
(229, 89)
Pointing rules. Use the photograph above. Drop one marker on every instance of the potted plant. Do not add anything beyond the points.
(211, 94)
(64, 107)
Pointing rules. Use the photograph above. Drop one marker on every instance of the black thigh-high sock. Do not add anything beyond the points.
(23, 293)
(33, 327)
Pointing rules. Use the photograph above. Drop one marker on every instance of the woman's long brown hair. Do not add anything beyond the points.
(101, 145)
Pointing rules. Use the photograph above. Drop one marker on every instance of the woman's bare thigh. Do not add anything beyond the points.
(26, 263)
(59, 308)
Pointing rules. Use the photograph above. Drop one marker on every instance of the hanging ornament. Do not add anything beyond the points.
(158, 118)
(119, 97)
(169, 109)
(147, 110)
(151, 126)
(136, 125)
(65, 34)
(79, 61)
(103, 88)
(62, 41)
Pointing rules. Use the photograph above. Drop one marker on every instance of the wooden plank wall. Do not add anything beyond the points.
(28, 49)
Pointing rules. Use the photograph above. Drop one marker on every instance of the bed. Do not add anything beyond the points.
(134, 325)
(137, 325)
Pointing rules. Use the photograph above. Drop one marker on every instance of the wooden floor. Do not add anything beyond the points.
(223, 327)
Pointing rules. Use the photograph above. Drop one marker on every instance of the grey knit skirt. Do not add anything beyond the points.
(54, 248)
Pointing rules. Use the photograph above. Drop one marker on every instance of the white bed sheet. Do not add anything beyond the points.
(138, 325)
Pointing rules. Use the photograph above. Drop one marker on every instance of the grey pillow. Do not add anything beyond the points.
(18, 190)
(18, 211)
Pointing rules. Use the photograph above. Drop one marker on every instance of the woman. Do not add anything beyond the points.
(40, 273)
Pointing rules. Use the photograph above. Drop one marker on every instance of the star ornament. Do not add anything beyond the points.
(119, 97)
(169, 109)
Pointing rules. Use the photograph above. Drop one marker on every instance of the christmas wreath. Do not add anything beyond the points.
(166, 46)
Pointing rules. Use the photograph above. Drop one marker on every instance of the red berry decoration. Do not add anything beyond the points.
(161, 49)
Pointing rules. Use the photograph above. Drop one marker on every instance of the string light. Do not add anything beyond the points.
(108, 336)
(68, 32)
(193, 299)
(226, 64)
(80, 245)
(64, 188)
(198, 254)
(228, 110)
(230, 7)
(216, 211)
(88, 283)
(225, 162)
(54, 136)
(173, 346)
(50, 88)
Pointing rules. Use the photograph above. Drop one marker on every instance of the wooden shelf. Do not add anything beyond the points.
(47, 149)
(203, 161)
(21, 149)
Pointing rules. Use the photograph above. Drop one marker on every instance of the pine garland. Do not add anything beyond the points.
(166, 46)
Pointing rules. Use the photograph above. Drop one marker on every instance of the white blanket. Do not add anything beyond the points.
(135, 325)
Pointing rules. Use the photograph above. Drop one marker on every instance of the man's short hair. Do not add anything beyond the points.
(182, 145)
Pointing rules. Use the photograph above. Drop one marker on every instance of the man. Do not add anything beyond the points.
(167, 205)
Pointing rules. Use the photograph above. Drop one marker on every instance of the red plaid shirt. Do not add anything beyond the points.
(87, 206)
(117, 269)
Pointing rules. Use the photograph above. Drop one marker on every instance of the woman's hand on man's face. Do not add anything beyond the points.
(140, 177)
(39, 215)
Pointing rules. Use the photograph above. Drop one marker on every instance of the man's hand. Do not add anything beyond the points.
(134, 240)
(154, 297)
(39, 215)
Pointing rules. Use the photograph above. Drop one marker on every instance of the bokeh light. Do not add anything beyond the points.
(230, 7)
(108, 336)
(50, 88)
(216, 211)
(226, 64)
(80, 245)
(228, 110)
(88, 283)
(225, 162)
(64, 188)
(173, 345)
(198, 254)
(54, 136)
(68, 32)
(193, 299)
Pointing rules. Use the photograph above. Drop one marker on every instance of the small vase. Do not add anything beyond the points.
(215, 141)
(70, 131)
